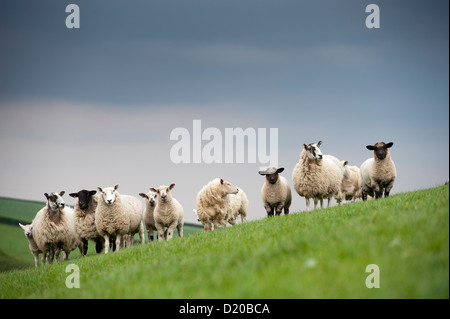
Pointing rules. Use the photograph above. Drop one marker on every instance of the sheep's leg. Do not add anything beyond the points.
(119, 238)
(279, 209)
(160, 230)
(66, 255)
(106, 244)
(329, 201)
(316, 201)
(170, 229)
(151, 229)
(43, 258)
(180, 230)
(243, 218)
(364, 195)
(307, 203)
(141, 233)
(98, 245)
(286, 210)
(269, 209)
(85, 247)
(321, 203)
(388, 188)
(36, 259)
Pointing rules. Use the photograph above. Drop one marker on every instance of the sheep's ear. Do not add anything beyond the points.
(345, 163)
(22, 226)
(92, 192)
(171, 186)
(100, 189)
(153, 189)
(62, 193)
(262, 173)
(116, 187)
(46, 195)
(370, 147)
(221, 181)
(319, 143)
(389, 145)
(74, 195)
(280, 169)
(305, 146)
(143, 195)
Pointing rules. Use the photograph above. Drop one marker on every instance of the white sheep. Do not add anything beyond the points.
(317, 176)
(350, 184)
(149, 218)
(168, 213)
(27, 229)
(84, 211)
(238, 206)
(53, 229)
(118, 215)
(377, 173)
(276, 192)
(213, 203)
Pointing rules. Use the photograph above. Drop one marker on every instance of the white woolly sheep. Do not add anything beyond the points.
(27, 229)
(118, 215)
(276, 192)
(53, 228)
(317, 176)
(84, 211)
(377, 173)
(168, 213)
(149, 217)
(350, 184)
(213, 203)
(238, 206)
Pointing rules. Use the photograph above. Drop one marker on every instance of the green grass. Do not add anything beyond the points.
(319, 254)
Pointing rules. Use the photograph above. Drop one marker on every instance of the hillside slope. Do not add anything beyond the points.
(319, 254)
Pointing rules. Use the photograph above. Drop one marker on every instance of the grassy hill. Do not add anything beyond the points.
(319, 254)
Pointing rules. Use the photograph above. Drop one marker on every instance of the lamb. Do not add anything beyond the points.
(85, 228)
(238, 206)
(349, 188)
(317, 176)
(276, 192)
(168, 213)
(53, 229)
(149, 219)
(27, 229)
(118, 215)
(213, 202)
(377, 173)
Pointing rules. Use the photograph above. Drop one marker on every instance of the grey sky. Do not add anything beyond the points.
(95, 106)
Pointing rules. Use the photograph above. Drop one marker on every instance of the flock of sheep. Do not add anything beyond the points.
(111, 219)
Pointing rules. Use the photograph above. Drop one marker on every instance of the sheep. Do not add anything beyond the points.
(85, 228)
(377, 173)
(168, 213)
(317, 176)
(27, 229)
(276, 192)
(213, 202)
(149, 219)
(53, 228)
(238, 206)
(350, 184)
(118, 215)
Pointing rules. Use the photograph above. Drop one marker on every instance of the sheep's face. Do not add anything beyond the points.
(313, 151)
(27, 229)
(55, 200)
(109, 194)
(84, 198)
(163, 192)
(380, 149)
(228, 188)
(271, 174)
(151, 197)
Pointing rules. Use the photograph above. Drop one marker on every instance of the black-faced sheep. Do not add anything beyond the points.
(276, 192)
(377, 173)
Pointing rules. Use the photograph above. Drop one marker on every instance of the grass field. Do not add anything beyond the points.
(319, 254)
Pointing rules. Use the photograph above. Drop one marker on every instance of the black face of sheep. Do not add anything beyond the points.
(271, 174)
(84, 197)
(380, 149)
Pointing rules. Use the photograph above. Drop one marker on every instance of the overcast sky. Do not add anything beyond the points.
(95, 106)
